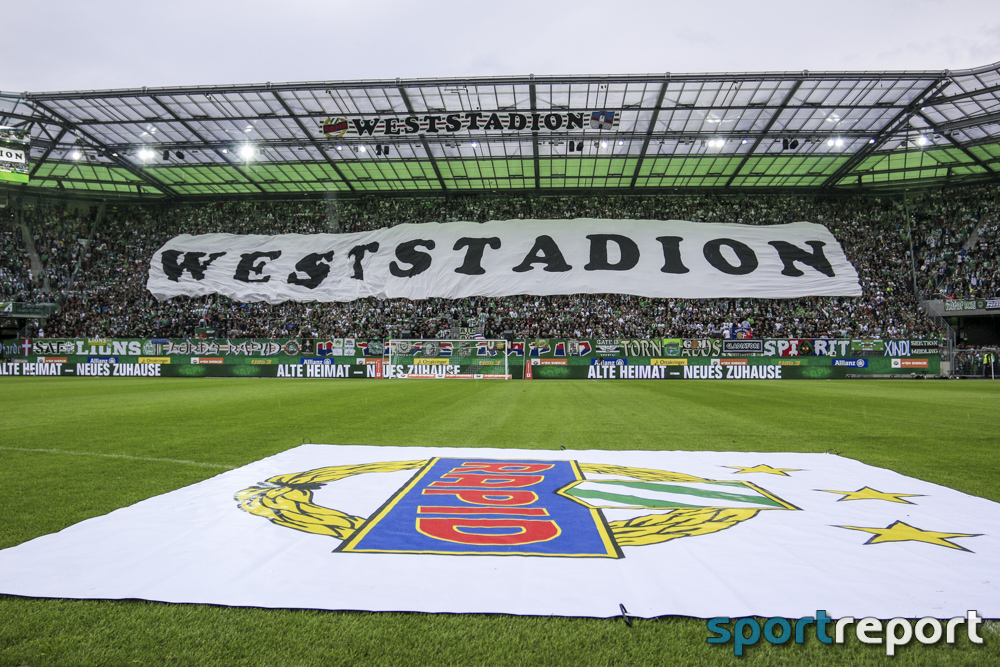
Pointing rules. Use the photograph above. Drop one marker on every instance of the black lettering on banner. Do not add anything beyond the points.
(432, 123)
(545, 251)
(748, 260)
(494, 122)
(365, 125)
(191, 263)
(253, 262)
(358, 253)
(553, 121)
(453, 122)
(790, 254)
(412, 125)
(407, 252)
(672, 254)
(390, 126)
(517, 121)
(316, 266)
(473, 264)
(574, 120)
(535, 118)
(474, 117)
(599, 253)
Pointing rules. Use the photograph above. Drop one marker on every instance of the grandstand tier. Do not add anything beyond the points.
(94, 261)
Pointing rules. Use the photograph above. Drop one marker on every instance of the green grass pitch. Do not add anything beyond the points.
(73, 449)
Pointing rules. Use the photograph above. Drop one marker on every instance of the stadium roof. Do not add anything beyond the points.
(790, 131)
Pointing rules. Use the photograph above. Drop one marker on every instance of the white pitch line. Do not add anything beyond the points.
(116, 456)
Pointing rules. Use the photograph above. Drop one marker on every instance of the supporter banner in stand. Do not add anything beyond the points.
(26, 310)
(564, 533)
(722, 347)
(462, 259)
(971, 304)
(232, 351)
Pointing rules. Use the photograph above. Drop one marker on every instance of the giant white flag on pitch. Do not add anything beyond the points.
(654, 258)
(571, 533)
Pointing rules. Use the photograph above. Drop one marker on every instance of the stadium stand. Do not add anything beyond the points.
(901, 166)
(108, 298)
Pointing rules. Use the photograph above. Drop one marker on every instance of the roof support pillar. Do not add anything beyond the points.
(312, 140)
(534, 135)
(650, 130)
(767, 128)
(424, 142)
(889, 132)
(121, 162)
(224, 156)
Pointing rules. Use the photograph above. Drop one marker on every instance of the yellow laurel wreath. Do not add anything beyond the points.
(680, 522)
(287, 500)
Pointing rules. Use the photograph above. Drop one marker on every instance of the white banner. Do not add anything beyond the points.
(569, 533)
(461, 259)
(8, 154)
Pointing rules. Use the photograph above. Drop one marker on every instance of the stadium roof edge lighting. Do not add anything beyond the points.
(617, 133)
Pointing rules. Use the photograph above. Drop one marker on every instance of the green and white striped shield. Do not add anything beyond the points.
(636, 494)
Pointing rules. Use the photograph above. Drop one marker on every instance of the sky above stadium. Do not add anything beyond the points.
(72, 45)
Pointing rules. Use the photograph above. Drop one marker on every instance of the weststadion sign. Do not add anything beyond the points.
(475, 121)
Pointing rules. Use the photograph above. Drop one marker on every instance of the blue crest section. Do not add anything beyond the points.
(472, 506)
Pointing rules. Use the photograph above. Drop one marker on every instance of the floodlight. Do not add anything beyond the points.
(76, 155)
(340, 148)
(604, 144)
(145, 154)
(180, 155)
(246, 151)
(922, 141)
(362, 149)
(838, 142)
(475, 143)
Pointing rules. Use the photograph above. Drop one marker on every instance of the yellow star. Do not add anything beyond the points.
(901, 532)
(868, 493)
(763, 468)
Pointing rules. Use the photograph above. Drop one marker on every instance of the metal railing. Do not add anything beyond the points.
(980, 363)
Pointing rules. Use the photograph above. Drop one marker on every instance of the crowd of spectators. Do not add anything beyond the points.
(108, 297)
(956, 242)
(16, 281)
